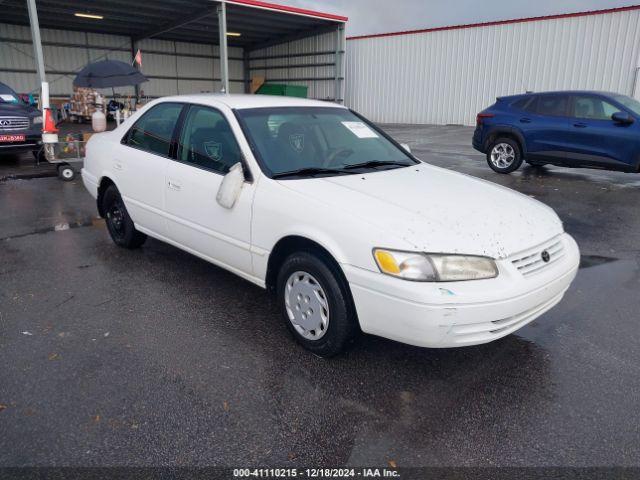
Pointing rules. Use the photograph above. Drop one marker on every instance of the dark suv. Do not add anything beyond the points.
(570, 129)
(20, 124)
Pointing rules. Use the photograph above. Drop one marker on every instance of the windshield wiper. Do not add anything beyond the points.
(309, 172)
(377, 163)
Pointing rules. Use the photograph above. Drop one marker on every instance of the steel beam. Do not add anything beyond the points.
(224, 59)
(299, 35)
(246, 70)
(37, 41)
(174, 24)
(338, 61)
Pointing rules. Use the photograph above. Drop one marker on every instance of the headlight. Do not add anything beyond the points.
(37, 120)
(423, 267)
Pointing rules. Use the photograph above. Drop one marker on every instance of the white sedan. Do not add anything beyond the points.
(315, 203)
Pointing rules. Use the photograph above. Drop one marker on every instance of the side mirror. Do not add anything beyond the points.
(406, 147)
(623, 118)
(231, 186)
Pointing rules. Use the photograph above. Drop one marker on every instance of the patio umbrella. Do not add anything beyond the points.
(108, 74)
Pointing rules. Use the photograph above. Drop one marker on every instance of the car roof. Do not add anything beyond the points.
(575, 92)
(242, 101)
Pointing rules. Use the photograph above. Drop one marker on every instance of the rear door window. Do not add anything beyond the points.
(552, 105)
(154, 130)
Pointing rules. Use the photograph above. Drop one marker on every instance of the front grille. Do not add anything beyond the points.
(11, 124)
(534, 260)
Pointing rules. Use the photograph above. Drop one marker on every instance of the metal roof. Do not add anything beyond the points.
(259, 23)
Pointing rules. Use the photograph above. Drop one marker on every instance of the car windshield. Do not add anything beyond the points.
(628, 102)
(307, 141)
(7, 95)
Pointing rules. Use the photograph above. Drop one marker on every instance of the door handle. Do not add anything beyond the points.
(525, 120)
(174, 186)
(580, 125)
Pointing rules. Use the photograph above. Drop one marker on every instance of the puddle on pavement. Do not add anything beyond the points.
(61, 227)
(587, 261)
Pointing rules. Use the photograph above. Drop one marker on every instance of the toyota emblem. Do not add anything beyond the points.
(545, 256)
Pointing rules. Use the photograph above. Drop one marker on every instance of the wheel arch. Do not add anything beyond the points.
(507, 132)
(298, 243)
(104, 183)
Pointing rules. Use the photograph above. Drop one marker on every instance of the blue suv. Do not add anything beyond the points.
(569, 129)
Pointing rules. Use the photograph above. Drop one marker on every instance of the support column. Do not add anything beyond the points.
(224, 57)
(37, 42)
(337, 95)
(134, 49)
(246, 70)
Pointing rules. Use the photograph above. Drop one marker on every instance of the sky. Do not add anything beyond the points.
(379, 16)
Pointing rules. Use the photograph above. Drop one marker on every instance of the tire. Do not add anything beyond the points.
(308, 284)
(504, 155)
(119, 223)
(66, 173)
(39, 155)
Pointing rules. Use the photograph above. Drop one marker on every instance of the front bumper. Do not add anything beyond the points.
(90, 182)
(455, 314)
(31, 143)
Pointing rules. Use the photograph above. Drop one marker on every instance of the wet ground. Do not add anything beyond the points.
(154, 357)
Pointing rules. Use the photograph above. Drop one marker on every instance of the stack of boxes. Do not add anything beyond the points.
(85, 101)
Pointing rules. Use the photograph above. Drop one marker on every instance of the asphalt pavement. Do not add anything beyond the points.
(155, 357)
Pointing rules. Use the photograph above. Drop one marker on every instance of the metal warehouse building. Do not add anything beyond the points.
(435, 76)
(446, 75)
(180, 43)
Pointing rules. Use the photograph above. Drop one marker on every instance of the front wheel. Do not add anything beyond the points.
(121, 228)
(316, 304)
(504, 155)
(66, 173)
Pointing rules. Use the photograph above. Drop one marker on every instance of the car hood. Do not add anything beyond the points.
(19, 109)
(436, 210)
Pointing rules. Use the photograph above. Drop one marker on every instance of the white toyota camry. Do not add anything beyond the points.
(315, 203)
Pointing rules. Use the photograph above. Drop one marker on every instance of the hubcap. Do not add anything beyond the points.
(115, 218)
(67, 173)
(503, 155)
(307, 305)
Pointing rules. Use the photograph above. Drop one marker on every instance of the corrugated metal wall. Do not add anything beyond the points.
(172, 67)
(309, 61)
(179, 68)
(447, 76)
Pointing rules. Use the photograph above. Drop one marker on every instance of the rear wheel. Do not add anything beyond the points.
(504, 155)
(121, 228)
(316, 304)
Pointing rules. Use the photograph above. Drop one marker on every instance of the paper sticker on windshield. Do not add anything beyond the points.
(360, 130)
(8, 98)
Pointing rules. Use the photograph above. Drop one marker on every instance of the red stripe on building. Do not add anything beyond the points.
(499, 22)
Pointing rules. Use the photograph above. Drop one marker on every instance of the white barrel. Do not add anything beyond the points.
(98, 121)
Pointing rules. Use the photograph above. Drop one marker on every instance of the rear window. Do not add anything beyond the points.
(523, 103)
(154, 130)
